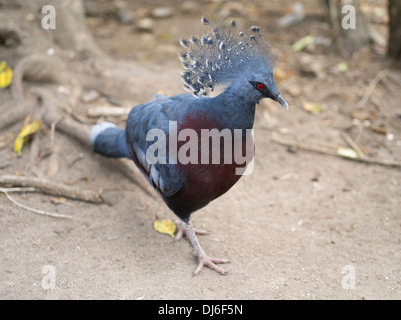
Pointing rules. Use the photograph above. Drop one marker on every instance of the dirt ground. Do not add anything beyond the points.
(304, 225)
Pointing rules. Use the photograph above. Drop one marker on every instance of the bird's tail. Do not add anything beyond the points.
(109, 140)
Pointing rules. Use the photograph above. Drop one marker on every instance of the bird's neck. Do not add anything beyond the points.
(236, 108)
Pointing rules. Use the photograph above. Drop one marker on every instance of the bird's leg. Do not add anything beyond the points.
(181, 230)
(203, 258)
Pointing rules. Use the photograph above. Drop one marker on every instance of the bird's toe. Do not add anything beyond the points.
(211, 263)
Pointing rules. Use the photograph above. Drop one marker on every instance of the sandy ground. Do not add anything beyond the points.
(304, 225)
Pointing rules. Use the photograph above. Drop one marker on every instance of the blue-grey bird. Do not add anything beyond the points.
(163, 136)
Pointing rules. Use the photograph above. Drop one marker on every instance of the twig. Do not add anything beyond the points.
(303, 146)
(76, 181)
(41, 212)
(307, 147)
(73, 162)
(51, 187)
(353, 145)
(52, 131)
(384, 112)
(371, 87)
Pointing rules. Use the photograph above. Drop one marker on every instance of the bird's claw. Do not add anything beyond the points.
(210, 262)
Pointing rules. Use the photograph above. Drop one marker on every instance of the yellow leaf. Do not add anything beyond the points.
(26, 131)
(6, 74)
(3, 65)
(19, 142)
(29, 129)
(165, 226)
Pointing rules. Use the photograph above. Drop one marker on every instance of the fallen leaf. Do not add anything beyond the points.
(294, 90)
(26, 131)
(380, 130)
(347, 152)
(165, 226)
(311, 107)
(165, 37)
(6, 74)
(363, 115)
(302, 43)
(285, 177)
(342, 67)
(59, 200)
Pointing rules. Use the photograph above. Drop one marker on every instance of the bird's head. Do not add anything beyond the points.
(263, 86)
(228, 57)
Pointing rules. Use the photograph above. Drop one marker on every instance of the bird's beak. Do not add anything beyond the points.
(281, 101)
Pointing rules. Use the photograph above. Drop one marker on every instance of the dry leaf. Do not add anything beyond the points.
(302, 43)
(165, 226)
(380, 130)
(311, 107)
(363, 115)
(59, 200)
(285, 177)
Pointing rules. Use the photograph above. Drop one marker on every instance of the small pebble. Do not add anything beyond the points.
(50, 52)
(162, 12)
(390, 136)
(145, 25)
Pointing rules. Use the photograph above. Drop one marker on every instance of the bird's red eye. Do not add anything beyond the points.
(260, 86)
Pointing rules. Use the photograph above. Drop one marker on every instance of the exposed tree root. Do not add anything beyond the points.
(52, 187)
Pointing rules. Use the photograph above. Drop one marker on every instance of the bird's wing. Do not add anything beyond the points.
(156, 114)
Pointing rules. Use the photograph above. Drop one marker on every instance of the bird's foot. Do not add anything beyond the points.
(205, 260)
(181, 230)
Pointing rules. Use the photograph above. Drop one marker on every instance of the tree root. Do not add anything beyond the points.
(52, 188)
(80, 132)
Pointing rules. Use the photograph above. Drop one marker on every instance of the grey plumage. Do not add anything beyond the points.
(221, 55)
